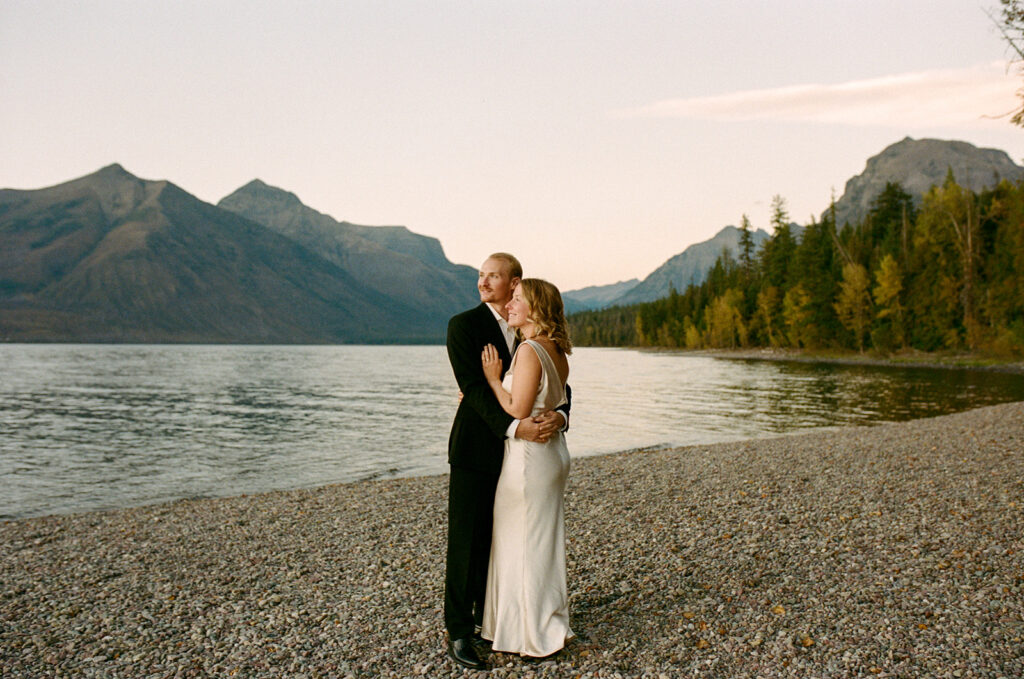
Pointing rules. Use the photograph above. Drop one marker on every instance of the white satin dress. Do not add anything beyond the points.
(526, 609)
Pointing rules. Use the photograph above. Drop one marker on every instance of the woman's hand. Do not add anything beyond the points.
(491, 362)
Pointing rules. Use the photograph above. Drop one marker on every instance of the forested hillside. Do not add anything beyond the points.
(947, 275)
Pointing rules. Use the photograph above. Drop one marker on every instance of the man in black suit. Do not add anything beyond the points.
(475, 451)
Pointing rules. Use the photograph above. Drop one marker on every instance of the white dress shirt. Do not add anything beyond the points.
(506, 329)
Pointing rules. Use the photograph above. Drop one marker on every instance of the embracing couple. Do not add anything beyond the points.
(505, 566)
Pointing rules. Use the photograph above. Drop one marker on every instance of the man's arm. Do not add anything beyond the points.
(564, 409)
(464, 355)
(541, 427)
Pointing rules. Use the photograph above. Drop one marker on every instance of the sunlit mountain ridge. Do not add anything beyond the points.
(111, 257)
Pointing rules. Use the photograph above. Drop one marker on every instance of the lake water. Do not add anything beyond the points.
(86, 427)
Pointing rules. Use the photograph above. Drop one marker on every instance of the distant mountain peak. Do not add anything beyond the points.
(110, 175)
(114, 169)
(689, 266)
(117, 190)
(265, 193)
(919, 164)
(596, 296)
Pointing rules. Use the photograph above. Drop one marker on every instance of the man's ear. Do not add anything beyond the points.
(514, 282)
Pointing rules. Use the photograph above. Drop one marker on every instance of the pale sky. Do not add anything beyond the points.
(593, 139)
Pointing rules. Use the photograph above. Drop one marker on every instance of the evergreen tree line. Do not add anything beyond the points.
(948, 275)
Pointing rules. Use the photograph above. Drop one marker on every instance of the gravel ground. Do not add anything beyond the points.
(895, 550)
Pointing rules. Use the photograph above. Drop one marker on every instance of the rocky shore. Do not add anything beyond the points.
(886, 551)
(906, 359)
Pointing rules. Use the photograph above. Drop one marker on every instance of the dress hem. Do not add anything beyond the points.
(523, 654)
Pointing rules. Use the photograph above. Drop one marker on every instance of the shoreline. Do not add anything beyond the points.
(906, 359)
(883, 550)
(909, 359)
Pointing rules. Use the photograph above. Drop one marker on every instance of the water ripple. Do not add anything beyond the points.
(95, 426)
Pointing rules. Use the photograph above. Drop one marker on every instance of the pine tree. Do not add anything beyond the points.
(944, 264)
(853, 306)
(886, 226)
(796, 313)
(1002, 268)
(746, 248)
(888, 286)
(768, 302)
(814, 270)
(726, 328)
(777, 253)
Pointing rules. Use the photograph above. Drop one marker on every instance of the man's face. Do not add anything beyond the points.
(495, 284)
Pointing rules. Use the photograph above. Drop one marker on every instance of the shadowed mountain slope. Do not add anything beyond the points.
(111, 257)
(390, 260)
(689, 266)
(596, 296)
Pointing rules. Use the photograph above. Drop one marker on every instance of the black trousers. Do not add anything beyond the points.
(470, 517)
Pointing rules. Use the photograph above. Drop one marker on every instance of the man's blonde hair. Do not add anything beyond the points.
(515, 269)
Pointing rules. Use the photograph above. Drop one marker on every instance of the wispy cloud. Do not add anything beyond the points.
(939, 98)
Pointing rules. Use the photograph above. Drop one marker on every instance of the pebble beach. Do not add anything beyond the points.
(884, 551)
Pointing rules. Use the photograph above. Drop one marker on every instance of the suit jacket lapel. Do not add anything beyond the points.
(496, 336)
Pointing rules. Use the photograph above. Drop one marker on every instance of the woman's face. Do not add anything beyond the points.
(518, 310)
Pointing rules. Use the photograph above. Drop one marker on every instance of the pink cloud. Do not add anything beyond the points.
(954, 97)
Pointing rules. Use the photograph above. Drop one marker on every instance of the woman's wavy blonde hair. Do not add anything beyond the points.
(547, 312)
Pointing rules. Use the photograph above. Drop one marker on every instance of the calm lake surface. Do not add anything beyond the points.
(86, 427)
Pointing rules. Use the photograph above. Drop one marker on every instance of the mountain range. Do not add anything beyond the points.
(111, 257)
(114, 258)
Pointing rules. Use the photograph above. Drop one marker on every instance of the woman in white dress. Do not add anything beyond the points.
(526, 609)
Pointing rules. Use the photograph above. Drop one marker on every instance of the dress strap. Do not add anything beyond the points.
(549, 368)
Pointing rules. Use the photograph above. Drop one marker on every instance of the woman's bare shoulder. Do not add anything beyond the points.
(530, 355)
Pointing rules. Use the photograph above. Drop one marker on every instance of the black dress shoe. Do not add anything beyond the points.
(483, 647)
(462, 652)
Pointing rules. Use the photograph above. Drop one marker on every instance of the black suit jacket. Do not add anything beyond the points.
(478, 432)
